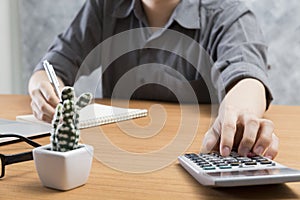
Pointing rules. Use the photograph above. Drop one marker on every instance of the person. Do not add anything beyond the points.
(227, 30)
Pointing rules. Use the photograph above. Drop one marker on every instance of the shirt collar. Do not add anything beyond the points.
(186, 19)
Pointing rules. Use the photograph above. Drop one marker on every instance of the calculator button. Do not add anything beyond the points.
(262, 160)
(235, 164)
(218, 162)
(266, 162)
(244, 159)
(222, 164)
(209, 168)
(206, 165)
(191, 155)
(250, 163)
(215, 160)
(230, 159)
(225, 167)
(197, 160)
(202, 163)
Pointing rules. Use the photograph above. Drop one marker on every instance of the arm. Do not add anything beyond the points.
(239, 74)
(240, 125)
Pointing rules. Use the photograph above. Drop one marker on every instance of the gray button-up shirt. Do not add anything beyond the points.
(202, 51)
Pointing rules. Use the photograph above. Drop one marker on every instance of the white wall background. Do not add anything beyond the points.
(5, 48)
(10, 66)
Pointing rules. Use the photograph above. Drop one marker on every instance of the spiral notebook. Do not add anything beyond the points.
(96, 115)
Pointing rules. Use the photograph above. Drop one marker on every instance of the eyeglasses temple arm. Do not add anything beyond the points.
(21, 137)
(16, 158)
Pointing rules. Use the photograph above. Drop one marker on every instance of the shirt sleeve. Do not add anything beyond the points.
(70, 48)
(238, 49)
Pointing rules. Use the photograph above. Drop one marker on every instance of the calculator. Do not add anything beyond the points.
(214, 170)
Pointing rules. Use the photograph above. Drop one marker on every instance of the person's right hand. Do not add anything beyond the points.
(43, 96)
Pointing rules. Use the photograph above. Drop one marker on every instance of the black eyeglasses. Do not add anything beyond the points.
(16, 158)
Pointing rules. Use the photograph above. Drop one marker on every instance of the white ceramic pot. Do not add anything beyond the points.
(63, 170)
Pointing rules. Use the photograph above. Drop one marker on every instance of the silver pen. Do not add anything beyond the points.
(52, 77)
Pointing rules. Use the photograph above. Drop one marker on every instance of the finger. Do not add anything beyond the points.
(40, 115)
(42, 110)
(264, 137)
(44, 107)
(210, 139)
(272, 151)
(251, 127)
(49, 94)
(228, 129)
(238, 136)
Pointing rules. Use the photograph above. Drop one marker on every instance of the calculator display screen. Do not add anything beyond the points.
(259, 172)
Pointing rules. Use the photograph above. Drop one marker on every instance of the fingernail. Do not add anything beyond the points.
(244, 151)
(225, 151)
(259, 150)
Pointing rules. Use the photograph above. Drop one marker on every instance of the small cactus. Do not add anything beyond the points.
(65, 124)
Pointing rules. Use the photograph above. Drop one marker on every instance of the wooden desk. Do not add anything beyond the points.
(172, 182)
